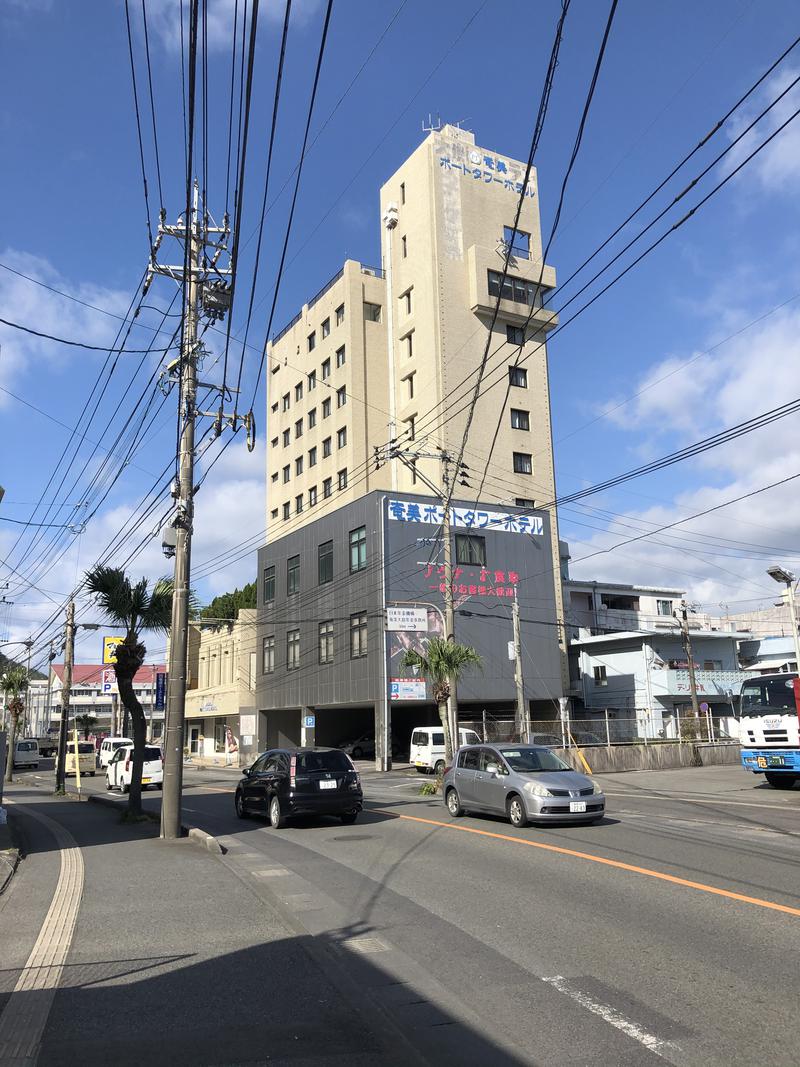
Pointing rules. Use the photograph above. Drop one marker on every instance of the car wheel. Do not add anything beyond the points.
(421, 770)
(159, 785)
(92, 773)
(276, 818)
(108, 784)
(517, 815)
(781, 781)
(123, 788)
(349, 818)
(438, 767)
(239, 802)
(357, 752)
(453, 803)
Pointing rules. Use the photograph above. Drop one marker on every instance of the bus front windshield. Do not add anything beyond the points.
(769, 696)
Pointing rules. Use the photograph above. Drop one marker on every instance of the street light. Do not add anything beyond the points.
(784, 577)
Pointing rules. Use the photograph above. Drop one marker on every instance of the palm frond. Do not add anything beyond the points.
(113, 591)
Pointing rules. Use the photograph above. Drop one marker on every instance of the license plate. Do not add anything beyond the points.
(577, 805)
(776, 761)
(146, 781)
(327, 785)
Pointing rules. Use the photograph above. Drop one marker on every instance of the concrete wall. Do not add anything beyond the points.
(660, 757)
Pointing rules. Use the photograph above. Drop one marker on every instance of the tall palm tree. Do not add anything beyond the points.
(442, 664)
(137, 608)
(15, 686)
(86, 723)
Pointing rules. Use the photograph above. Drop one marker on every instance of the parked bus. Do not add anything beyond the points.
(770, 728)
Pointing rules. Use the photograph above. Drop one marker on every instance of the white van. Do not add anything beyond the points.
(109, 746)
(26, 752)
(427, 747)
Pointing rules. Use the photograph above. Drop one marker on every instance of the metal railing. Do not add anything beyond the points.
(608, 729)
(281, 333)
(328, 285)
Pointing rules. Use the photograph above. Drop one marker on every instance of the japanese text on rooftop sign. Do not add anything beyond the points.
(466, 518)
(483, 167)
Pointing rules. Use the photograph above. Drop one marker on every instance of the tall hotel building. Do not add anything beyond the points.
(386, 353)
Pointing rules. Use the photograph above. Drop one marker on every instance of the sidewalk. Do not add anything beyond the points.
(176, 959)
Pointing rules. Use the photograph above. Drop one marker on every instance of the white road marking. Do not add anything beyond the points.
(270, 872)
(698, 800)
(365, 945)
(612, 1016)
(25, 1016)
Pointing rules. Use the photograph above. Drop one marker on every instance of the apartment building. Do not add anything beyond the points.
(94, 692)
(393, 353)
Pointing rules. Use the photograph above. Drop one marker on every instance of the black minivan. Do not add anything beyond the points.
(300, 781)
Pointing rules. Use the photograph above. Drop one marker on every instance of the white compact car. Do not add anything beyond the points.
(120, 769)
(427, 747)
(108, 746)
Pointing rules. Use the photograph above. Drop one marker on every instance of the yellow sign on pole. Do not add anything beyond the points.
(110, 648)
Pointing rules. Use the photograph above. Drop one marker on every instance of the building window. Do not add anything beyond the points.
(327, 488)
(286, 401)
(523, 463)
(518, 241)
(312, 418)
(664, 607)
(326, 369)
(471, 550)
(298, 503)
(340, 357)
(326, 407)
(287, 510)
(405, 301)
(287, 437)
(520, 420)
(712, 664)
(312, 496)
(520, 290)
(298, 465)
(326, 328)
(292, 575)
(372, 312)
(274, 442)
(326, 447)
(274, 513)
(292, 650)
(325, 563)
(402, 192)
(275, 476)
(358, 549)
(518, 376)
(408, 342)
(298, 391)
(274, 408)
(311, 380)
(340, 315)
(312, 456)
(326, 642)
(515, 335)
(287, 473)
(411, 427)
(269, 584)
(600, 676)
(298, 428)
(404, 246)
(268, 655)
(524, 502)
(341, 437)
(312, 341)
(358, 635)
(341, 397)
(342, 478)
(409, 380)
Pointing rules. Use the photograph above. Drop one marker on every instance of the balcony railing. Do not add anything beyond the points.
(709, 683)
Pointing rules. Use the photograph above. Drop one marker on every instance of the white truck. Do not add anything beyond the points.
(769, 731)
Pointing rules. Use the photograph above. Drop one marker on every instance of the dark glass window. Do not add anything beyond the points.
(326, 642)
(292, 575)
(292, 650)
(358, 549)
(325, 562)
(518, 376)
(358, 635)
(520, 420)
(523, 463)
(268, 654)
(269, 584)
(471, 550)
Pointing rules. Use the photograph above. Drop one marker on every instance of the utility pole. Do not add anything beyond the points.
(46, 717)
(66, 686)
(206, 292)
(522, 717)
(784, 577)
(683, 621)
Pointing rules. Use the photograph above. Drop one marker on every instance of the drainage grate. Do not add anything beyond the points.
(365, 944)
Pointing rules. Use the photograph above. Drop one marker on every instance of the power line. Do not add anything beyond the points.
(78, 344)
(138, 125)
(152, 102)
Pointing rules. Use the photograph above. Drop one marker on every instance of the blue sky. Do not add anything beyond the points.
(74, 219)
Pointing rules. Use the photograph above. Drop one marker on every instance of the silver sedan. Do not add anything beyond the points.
(523, 782)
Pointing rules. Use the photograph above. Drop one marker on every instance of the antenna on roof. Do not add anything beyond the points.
(432, 127)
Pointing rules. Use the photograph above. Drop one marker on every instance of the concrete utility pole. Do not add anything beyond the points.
(205, 293)
(522, 711)
(683, 621)
(46, 717)
(66, 685)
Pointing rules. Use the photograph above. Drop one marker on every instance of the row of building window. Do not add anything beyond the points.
(520, 290)
(357, 543)
(327, 447)
(325, 328)
(325, 644)
(299, 500)
(341, 393)
(341, 401)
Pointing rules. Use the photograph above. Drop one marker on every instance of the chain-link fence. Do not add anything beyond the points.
(609, 728)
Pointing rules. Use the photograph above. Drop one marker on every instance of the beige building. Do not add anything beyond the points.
(393, 353)
(221, 692)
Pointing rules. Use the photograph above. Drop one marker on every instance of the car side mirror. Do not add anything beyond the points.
(246, 771)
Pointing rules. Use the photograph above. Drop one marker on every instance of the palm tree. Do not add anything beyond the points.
(86, 723)
(442, 664)
(15, 685)
(136, 608)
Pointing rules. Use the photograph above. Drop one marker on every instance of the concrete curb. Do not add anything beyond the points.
(9, 855)
(194, 833)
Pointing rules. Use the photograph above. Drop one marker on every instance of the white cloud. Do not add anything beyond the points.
(777, 167)
(163, 17)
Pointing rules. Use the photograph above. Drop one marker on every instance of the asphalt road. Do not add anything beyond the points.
(667, 933)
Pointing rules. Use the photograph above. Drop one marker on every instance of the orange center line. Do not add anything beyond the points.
(674, 879)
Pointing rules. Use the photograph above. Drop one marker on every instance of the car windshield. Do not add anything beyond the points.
(528, 760)
(769, 696)
(85, 747)
(324, 761)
